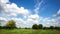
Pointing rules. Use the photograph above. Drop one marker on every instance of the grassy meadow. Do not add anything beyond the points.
(28, 31)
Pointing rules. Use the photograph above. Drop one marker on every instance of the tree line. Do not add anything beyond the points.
(12, 25)
(9, 25)
(40, 26)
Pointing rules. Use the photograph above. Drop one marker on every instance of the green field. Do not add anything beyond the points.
(28, 31)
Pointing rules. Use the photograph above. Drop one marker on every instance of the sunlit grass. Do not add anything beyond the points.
(28, 31)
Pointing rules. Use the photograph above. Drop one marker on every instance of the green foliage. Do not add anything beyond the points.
(11, 24)
(35, 26)
(57, 28)
(0, 23)
(0, 27)
(46, 28)
(51, 27)
(40, 26)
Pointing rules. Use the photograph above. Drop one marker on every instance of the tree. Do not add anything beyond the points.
(57, 28)
(11, 24)
(35, 26)
(51, 27)
(46, 27)
(0, 25)
(40, 26)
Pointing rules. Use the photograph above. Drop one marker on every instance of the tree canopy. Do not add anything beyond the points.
(11, 24)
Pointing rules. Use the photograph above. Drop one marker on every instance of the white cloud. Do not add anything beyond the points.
(4, 1)
(3, 21)
(30, 20)
(1, 18)
(19, 22)
(38, 5)
(8, 10)
(57, 18)
(58, 13)
(12, 9)
(51, 21)
(12, 14)
(33, 19)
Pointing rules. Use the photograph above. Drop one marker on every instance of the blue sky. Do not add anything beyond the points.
(47, 9)
(28, 12)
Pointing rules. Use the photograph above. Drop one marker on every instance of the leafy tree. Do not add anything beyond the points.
(0, 25)
(46, 27)
(35, 26)
(57, 28)
(11, 24)
(51, 27)
(40, 26)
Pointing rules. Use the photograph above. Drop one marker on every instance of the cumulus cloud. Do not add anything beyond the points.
(33, 18)
(8, 10)
(12, 9)
(3, 21)
(1, 18)
(52, 21)
(4, 1)
(19, 22)
(49, 22)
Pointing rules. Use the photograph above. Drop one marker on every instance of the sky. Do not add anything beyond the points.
(28, 12)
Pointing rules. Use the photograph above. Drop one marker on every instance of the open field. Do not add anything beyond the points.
(28, 31)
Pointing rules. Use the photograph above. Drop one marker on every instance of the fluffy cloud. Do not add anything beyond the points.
(19, 22)
(3, 21)
(51, 21)
(11, 9)
(4, 1)
(32, 19)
